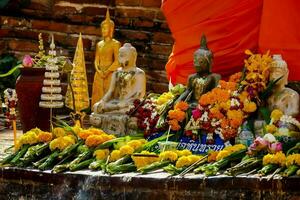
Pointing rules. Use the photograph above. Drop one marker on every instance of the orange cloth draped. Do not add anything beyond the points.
(280, 32)
(231, 27)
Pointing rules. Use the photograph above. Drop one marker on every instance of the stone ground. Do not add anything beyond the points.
(7, 140)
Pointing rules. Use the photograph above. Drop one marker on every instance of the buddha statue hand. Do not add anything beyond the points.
(98, 107)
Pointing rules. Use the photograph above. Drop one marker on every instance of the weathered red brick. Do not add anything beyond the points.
(23, 45)
(93, 11)
(160, 15)
(101, 2)
(142, 23)
(135, 13)
(133, 34)
(161, 49)
(151, 3)
(162, 37)
(157, 87)
(14, 22)
(64, 10)
(3, 46)
(128, 2)
(41, 5)
(123, 21)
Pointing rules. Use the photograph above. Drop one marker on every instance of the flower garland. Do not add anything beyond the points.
(10, 99)
(278, 159)
(223, 110)
(177, 115)
(146, 115)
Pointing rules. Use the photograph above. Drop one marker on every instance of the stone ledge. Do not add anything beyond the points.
(33, 184)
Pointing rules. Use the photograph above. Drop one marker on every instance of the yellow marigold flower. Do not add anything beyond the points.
(101, 154)
(276, 115)
(143, 141)
(168, 155)
(184, 152)
(36, 130)
(115, 155)
(278, 158)
(249, 107)
(144, 161)
(45, 137)
(271, 128)
(293, 159)
(183, 106)
(59, 132)
(135, 144)
(77, 129)
(126, 150)
(194, 158)
(222, 154)
(182, 162)
(164, 98)
(30, 137)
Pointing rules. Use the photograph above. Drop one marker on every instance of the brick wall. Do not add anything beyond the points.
(137, 21)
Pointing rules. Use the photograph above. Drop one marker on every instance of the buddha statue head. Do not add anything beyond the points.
(127, 56)
(107, 26)
(279, 69)
(203, 57)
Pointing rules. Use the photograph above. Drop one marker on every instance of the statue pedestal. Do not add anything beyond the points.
(117, 124)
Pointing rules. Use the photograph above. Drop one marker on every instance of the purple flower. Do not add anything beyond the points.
(27, 61)
(275, 147)
(196, 114)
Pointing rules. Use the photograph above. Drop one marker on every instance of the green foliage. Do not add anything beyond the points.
(7, 63)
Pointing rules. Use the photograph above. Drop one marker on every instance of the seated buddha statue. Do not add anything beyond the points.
(203, 80)
(127, 84)
(106, 59)
(282, 98)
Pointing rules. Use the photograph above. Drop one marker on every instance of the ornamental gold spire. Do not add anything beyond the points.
(78, 86)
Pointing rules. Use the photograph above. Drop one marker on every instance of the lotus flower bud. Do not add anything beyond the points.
(27, 61)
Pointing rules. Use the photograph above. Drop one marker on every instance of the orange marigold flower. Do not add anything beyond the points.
(45, 137)
(235, 77)
(227, 85)
(224, 123)
(220, 95)
(225, 105)
(249, 107)
(96, 131)
(85, 134)
(243, 96)
(212, 156)
(182, 105)
(94, 140)
(215, 113)
(174, 125)
(206, 99)
(235, 117)
(176, 114)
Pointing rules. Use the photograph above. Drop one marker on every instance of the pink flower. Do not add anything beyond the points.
(27, 61)
(196, 114)
(275, 147)
(258, 144)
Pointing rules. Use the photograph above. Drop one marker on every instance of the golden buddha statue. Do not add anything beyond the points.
(106, 61)
(282, 98)
(127, 84)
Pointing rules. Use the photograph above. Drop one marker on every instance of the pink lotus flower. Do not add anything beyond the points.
(275, 147)
(196, 114)
(258, 144)
(27, 61)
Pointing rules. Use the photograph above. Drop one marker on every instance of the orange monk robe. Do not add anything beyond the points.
(280, 32)
(231, 26)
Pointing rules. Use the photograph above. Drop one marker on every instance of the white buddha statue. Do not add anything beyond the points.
(127, 84)
(282, 98)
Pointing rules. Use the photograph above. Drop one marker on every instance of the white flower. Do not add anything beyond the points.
(204, 117)
(234, 102)
(270, 138)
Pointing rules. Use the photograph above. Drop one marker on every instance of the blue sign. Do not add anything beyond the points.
(200, 147)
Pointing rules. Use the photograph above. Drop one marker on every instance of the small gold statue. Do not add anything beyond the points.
(203, 80)
(106, 61)
(128, 83)
(283, 98)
